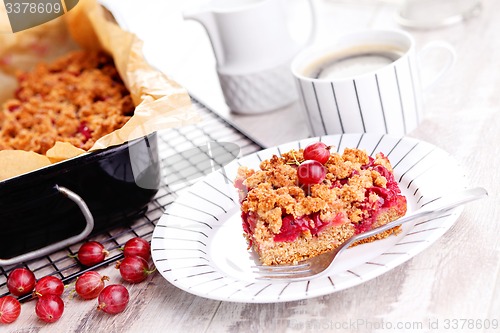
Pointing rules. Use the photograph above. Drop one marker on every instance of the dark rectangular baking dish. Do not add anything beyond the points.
(53, 207)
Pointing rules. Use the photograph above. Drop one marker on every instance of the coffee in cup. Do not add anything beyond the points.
(353, 61)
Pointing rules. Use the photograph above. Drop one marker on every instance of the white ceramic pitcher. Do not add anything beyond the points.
(253, 49)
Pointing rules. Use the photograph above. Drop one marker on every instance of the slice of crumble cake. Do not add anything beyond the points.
(307, 202)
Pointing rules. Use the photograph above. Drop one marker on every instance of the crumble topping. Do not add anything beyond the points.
(275, 187)
(77, 99)
(287, 221)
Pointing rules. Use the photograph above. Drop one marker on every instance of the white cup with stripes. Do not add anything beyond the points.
(366, 82)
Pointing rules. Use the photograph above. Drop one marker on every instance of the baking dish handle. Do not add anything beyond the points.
(61, 244)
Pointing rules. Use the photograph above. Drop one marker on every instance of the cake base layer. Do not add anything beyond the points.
(279, 253)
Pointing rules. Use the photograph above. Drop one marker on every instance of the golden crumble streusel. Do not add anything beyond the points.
(77, 99)
(286, 221)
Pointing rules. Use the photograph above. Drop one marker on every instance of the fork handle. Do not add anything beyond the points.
(446, 203)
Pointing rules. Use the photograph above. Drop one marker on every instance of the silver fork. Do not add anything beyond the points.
(309, 268)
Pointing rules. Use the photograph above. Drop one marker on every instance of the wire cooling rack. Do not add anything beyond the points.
(183, 162)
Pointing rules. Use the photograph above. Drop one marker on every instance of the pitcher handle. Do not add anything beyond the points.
(206, 19)
(312, 15)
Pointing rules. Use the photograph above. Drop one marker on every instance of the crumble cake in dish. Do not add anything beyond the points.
(308, 201)
(78, 98)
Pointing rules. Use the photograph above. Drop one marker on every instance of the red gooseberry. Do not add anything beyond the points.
(49, 308)
(90, 284)
(311, 172)
(113, 299)
(137, 246)
(10, 309)
(318, 152)
(49, 285)
(134, 269)
(21, 281)
(91, 253)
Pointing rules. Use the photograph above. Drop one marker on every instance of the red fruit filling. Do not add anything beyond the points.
(85, 131)
(292, 228)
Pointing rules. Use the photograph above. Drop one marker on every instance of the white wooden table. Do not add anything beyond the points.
(452, 286)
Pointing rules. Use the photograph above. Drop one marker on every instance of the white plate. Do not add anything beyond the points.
(198, 244)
